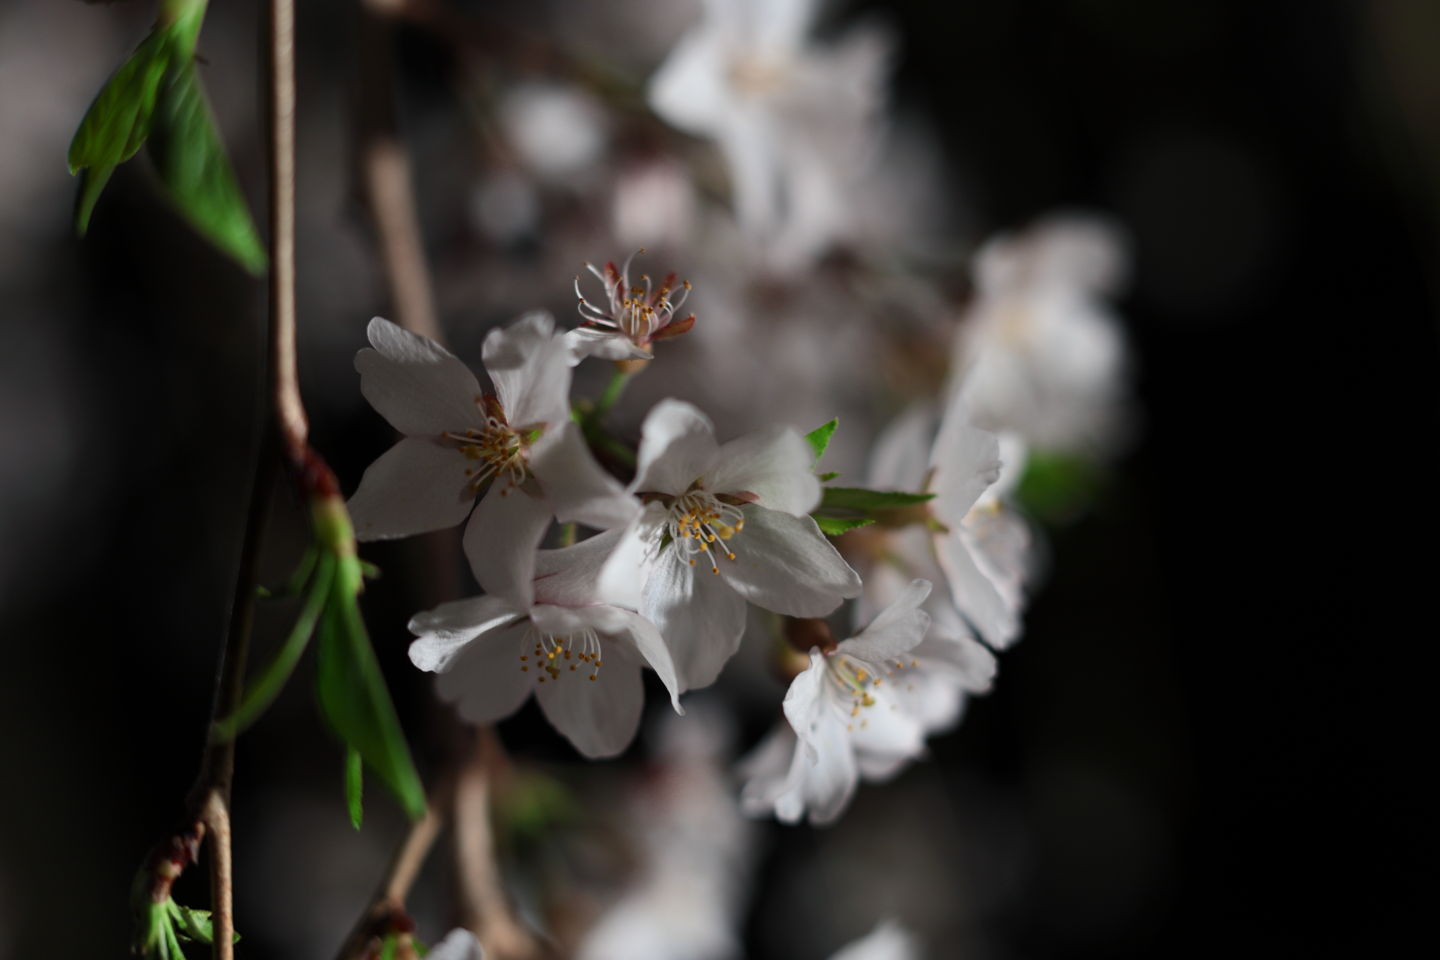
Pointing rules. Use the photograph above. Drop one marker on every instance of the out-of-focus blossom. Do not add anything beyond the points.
(855, 714)
(652, 203)
(557, 130)
(505, 206)
(460, 442)
(797, 122)
(695, 852)
(461, 944)
(1040, 352)
(541, 627)
(630, 318)
(888, 941)
(723, 524)
(968, 530)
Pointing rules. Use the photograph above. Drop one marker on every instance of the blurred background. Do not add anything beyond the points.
(1204, 742)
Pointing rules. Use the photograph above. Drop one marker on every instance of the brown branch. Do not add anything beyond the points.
(386, 912)
(289, 411)
(484, 909)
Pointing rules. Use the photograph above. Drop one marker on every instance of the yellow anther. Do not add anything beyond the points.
(524, 669)
(594, 676)
(867, 700)
(730, 556)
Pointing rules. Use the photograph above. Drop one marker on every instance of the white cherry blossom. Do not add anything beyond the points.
(630, 317)
(540, 627)
(723, 524)
(1039, 351)
(859, 710)
(459, 944)
(516, 449)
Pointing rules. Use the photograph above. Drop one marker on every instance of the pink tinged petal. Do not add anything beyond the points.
(421, 388)
(501, 540)
(530, 367)
(605, 344)
(896, 631)
(902, 452)
(485, 681)
(598, 716)
(775, 465)
(966, 460)
(975, 595)
(577, 489)
(443, 632)
(677, 446)
(784, 564)
(700, 617)
(416, 486)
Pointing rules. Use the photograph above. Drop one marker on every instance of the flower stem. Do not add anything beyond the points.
(613, 390)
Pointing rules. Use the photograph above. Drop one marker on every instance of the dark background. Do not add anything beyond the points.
(1212, 738)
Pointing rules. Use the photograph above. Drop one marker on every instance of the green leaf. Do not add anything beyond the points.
(271, 681)
(827, 477)
(834, 526)
(353, 696)
(191, 161)
(355, 786)
(118, 120)
(819, 438)
(388, 947)
(855, 498)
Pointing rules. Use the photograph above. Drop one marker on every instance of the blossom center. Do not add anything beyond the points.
(698, 521)
(553, 657)
(497, 449)
(637, 312)
(857, 681)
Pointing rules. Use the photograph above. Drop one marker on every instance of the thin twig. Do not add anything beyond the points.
(485, 909)
(386, 912)
(284, 373)
(385, 170)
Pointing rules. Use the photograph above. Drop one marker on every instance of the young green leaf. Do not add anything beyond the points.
(355, 786)
(819, 438)
(834, 526)
(827, 477)
(355, 701)
(118, 121)
(856, 498)
(192, 163)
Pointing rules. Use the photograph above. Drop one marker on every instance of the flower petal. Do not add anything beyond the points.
(636, 638)
(485, 681)
(677, 445)
(416, 384)
(966, 460)
(776, 465)
(700, 617)
(888, 941)
(416, 486)
(598, 716)
(443, 632)
(530, 367)
(897, 629)
(459, 944)
(784, 563)
(604, 344)
(570, 576)
(902, 451)
(975, 596)
(624, 571)
(578, 490)
(501, 540)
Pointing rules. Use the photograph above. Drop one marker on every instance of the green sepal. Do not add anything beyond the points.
(834, 526)
(827, 477)
(191, 160)
(819, 438)
(195, 925)
(355, 786)
(353, 696)
(389, 947)
(856, 498)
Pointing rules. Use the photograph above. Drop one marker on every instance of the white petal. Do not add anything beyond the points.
(806, 705)
(623, 573)
(784, 563)
(570, 576)
(530, 367)
(775, 465)
(766, 771)
(598, 716)
(897, 630)
(501, 540)
(633, 637)
(416, 384)
(902, 451)
(700, 617)
(459, 944)
(823, 773)
(690, 91)
(604, 344)
(485, 681)
(677, 446)
(886, 942)
(966, 460)
(444, 631)
(579, 491)
(976, 597)
(416, 486)
(886, 731)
